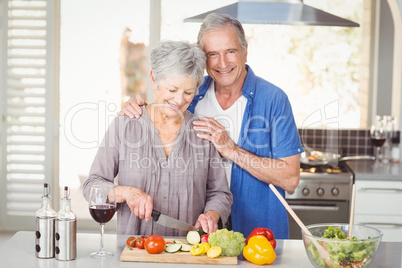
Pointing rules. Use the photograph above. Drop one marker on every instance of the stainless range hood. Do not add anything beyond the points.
(277, 12)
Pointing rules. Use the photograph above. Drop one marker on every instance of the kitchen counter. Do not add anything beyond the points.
(364, 170)
(19, 251)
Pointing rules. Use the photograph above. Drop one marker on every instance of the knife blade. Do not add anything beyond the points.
(167, 221)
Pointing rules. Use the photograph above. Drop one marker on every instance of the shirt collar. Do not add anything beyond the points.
(248, 90)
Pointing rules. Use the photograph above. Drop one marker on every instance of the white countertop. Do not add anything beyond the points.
(365, 170)
(19, 251)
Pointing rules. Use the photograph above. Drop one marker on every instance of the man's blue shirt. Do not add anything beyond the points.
(268, 130)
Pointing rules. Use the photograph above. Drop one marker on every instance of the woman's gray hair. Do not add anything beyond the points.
(178, 59)
(217, 21)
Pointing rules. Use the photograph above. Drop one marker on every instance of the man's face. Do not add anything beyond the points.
(226, 61)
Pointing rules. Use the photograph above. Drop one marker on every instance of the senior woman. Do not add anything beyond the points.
(160, 162)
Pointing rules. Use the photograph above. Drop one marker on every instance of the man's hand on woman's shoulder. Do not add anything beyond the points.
(132, 108)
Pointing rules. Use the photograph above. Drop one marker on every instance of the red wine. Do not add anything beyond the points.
(378, 142)
(102, 213)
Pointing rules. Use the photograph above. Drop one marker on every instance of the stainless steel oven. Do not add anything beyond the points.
(323, 196)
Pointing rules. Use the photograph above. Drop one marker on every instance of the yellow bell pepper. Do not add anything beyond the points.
(259, 251)
(197, 249)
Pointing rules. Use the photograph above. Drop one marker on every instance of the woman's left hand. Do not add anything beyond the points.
(208, 221)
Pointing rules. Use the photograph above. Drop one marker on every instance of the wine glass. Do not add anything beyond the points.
(378, 137)
(102, 206)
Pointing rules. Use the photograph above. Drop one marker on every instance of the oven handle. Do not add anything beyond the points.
(314, 208)
(380, 189)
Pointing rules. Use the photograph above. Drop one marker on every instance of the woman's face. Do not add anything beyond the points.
(174, 95)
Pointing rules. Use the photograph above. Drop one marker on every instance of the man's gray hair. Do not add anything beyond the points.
(178, 59)
(216, 21)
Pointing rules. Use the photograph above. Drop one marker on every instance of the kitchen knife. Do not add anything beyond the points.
(167, 221)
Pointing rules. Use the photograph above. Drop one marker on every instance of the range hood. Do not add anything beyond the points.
(277, 12)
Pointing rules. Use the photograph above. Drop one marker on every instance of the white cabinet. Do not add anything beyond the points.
(379, 204)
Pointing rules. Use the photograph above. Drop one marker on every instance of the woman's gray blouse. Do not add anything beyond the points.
(190, 182)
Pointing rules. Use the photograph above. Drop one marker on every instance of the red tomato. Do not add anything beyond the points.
(131, 241)
(155, 244)
(139, 242)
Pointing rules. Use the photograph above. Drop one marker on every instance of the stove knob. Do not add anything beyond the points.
(305, 191)
(320, 191)
(335, 191)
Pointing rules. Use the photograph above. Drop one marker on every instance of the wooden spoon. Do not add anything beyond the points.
(321, 250)
(352, 211)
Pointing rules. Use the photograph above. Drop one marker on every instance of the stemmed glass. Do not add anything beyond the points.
(378, 137)
(102, 206)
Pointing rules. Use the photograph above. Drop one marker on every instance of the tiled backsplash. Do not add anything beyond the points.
(350, 141)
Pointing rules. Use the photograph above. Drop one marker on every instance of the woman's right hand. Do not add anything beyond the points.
(139, 202)
(131, 108)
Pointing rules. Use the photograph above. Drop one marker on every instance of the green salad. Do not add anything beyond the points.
(344, 252)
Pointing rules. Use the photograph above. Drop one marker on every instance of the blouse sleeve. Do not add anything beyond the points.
(105, 165)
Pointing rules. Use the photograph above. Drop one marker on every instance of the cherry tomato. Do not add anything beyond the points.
(155, 244)
(139, 242)
(131, 241)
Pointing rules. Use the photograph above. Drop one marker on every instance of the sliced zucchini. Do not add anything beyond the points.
(185, 247)
(193, 237)
(172, 248)
(178, 242)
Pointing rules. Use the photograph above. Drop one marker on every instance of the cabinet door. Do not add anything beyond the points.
(379, 198)
(390, 226)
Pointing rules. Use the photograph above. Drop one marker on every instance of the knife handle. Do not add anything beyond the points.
(155, 215)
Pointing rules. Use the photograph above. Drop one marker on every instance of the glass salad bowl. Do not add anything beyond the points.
(359, 251)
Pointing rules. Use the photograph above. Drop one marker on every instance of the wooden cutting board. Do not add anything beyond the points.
(141, 255)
